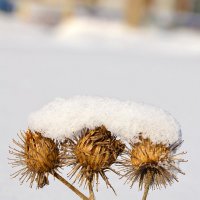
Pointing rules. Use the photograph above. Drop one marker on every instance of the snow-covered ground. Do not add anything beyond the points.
(38, 64)
(109, 35)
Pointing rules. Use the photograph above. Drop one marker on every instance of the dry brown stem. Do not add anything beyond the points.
(147, 186)
(69, 185)
(92, 196)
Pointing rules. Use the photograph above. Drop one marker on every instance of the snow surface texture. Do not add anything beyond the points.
(62, 117)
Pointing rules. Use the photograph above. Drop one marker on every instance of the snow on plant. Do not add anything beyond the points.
(90, 134)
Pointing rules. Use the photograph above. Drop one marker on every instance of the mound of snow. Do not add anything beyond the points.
(62, 117)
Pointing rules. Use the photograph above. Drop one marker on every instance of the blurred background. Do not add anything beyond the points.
(142, 50)
(171, 25)
(168, 14)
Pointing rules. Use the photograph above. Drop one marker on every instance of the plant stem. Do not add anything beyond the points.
(92, 197)
(69, 185)
(147, 186)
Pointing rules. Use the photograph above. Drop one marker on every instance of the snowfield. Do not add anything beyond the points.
(38, 64)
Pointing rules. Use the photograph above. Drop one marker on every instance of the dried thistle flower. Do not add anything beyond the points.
(151, 160)
(152, 165)
(37, 156)
(91, 154)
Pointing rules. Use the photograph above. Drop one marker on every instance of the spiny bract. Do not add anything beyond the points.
(154, 163)
(91, 154)
(37, 156)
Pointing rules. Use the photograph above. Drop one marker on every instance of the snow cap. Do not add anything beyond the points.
(63, 117)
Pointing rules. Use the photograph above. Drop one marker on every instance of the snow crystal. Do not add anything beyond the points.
(63, 117)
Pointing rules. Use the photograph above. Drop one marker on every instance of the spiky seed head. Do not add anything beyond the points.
(146, 160)
(145, 152)
(92, 153)
(95, 147)
(40, 157)
(37, 156)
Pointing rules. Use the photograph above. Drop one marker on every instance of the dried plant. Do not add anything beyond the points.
(38, 156)
(91, 154)
(152, 165)
(150, 159)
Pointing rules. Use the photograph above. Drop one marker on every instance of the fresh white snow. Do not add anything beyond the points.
(62, 117)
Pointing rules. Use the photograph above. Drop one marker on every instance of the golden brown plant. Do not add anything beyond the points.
(152, 165)
(91, 154)
(38, 157)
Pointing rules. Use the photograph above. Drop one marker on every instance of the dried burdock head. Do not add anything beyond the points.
(37, 156)
(152, 165)
(91, 154)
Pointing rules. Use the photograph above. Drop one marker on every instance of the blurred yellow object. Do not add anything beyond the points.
(135, 11)
(23, 9)
(45, 11)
